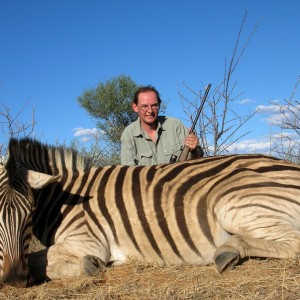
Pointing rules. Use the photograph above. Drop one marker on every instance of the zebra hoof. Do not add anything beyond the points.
(92, 265)
(226, 258)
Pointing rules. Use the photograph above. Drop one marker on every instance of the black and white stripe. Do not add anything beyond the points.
(15, 225)
(215, 209)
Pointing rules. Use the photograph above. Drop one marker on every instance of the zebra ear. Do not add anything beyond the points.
(39, 180)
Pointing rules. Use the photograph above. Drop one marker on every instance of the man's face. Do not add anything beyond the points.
(147, 107)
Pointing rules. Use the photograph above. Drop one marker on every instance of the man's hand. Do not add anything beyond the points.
(191, 142)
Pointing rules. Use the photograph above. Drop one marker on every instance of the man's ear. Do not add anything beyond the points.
(134, 107)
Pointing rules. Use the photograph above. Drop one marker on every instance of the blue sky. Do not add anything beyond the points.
(52, 50)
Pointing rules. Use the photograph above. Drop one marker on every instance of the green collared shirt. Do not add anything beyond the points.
(139, 149)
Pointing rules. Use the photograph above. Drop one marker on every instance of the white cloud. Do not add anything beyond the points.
(268, 109)
(281, 135)
(276, 119)
(280, 115)
(250, 146)
(87, 134)
(245, 101)
(277, 109)
(285, 140)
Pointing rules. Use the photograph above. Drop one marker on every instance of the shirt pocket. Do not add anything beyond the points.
(145, 158)
(174, 149)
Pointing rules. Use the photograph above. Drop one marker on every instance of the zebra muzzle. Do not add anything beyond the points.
(30, 281)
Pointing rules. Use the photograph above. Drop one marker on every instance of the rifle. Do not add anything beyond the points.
(185, 151)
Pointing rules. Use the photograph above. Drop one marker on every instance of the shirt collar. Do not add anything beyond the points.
(138, 131)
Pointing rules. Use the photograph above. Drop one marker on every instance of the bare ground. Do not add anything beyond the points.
(254, 279)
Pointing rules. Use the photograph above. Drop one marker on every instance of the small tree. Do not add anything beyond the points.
(12, 126)
(110, 104)
(101, 153)
(219, 123)
(285, 142)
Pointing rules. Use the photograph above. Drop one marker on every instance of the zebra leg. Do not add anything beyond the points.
(56, 262)
(37, 262)
(91, 265)
(43, 265)
(238, 247)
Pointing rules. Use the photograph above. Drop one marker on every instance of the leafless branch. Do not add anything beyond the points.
(12, 126)
(287, 146)
(219, 123)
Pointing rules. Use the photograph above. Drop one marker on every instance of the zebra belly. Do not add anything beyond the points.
(166, 247)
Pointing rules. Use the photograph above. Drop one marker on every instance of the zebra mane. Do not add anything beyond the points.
(47, 158)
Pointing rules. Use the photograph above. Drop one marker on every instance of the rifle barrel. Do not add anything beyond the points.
(200, 108)
(185, 151)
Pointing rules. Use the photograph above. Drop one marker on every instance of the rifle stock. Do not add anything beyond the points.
(184, 153)
(186, 150)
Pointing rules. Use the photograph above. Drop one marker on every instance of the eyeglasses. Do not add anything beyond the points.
(146, 107)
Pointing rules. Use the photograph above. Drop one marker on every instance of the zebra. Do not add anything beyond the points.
(16, 201)
(208, 210)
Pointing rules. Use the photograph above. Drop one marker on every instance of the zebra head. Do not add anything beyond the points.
(16, 207)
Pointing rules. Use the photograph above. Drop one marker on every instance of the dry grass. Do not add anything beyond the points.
(254, 279)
